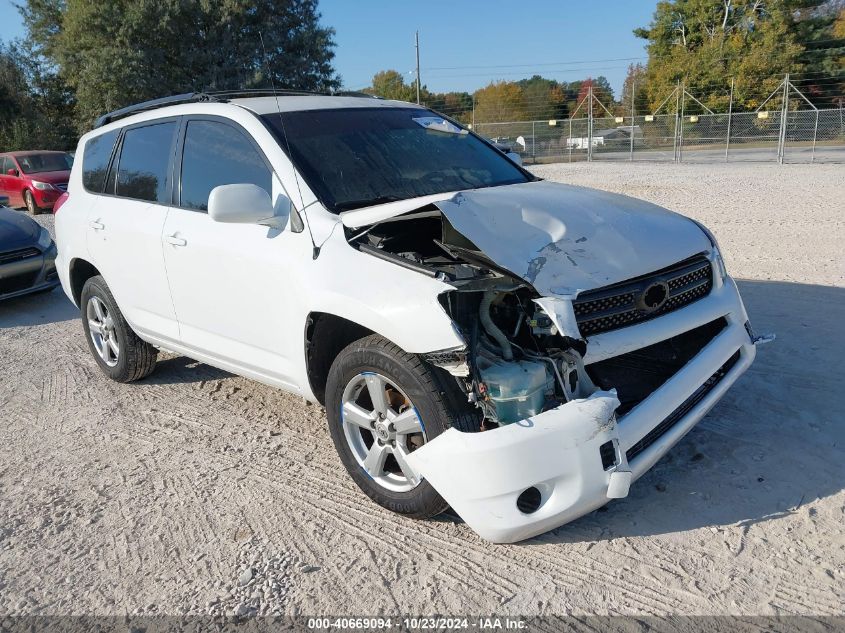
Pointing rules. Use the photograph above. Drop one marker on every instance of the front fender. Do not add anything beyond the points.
(399, 304)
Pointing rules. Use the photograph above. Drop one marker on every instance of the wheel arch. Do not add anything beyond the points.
(80, 271)
(326, 335)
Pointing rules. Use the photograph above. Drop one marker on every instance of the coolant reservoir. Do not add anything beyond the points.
(517, 389)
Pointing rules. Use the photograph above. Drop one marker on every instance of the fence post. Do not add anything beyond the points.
(783, 113)
(534, 141)
(590, 127)
(675, 131)
(730, 117)
(569, 140)
(633, 118)
(681, 131)
(815, 133)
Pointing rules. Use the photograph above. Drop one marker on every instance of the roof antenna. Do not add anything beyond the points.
(316, 251)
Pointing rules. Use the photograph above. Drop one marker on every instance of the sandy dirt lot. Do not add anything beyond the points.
(196, 491)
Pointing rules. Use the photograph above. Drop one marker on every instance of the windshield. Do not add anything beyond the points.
(38, 163)
(357, 157)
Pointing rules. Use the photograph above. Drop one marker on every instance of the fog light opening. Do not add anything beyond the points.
(529, 501)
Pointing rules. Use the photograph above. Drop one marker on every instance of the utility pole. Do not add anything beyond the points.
(418, 66)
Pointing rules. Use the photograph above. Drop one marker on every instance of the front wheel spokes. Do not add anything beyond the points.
(377, 389)
(400, 453)
(407, 422)
(357, 415)
(374, 462)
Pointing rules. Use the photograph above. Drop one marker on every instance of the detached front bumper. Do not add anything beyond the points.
(578, 455)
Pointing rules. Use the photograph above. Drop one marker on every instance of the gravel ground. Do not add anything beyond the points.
(198, 492)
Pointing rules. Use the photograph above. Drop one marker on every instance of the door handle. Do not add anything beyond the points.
(97, 225)
(176, 241)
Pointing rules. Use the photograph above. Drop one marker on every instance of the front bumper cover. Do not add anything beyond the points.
(40, 271)
(482, 475)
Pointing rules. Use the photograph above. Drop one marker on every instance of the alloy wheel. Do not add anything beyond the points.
(101, 328)
(382, 428)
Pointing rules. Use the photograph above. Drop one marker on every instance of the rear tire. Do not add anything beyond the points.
(120, 353)
(414, 389)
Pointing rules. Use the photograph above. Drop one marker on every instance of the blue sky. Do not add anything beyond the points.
(465, 44)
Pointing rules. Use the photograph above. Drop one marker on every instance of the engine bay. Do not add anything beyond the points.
(516, 363)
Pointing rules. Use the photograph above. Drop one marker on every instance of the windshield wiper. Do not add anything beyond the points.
(348, 205)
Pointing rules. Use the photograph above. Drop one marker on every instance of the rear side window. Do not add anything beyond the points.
(218, 154)
(95, 161)
(143, 171)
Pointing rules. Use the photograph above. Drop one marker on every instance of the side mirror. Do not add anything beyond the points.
(12, 172)
(245, 204)
(516, 158)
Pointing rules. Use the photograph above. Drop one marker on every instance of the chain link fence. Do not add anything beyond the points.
(799, 136)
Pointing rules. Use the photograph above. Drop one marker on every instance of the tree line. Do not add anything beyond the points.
(82, 58)
(702, 44)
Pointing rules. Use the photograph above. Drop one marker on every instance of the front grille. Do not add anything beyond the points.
(615, 306)
(15, 256)
(16, 283)
(682, 410)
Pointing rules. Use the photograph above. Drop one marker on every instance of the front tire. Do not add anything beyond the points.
(382, 404)
(120, 353)
(29, 201)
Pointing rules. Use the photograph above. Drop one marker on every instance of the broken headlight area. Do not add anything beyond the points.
(516, 363)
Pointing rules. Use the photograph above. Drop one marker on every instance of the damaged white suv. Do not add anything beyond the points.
(517, 349)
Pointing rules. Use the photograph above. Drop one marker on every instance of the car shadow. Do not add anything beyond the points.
(770, 446)
(37, 309)
(181, 369)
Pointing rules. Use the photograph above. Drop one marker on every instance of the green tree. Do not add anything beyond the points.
(390, 84)
(501, 101)
(111, 54)
(544, 98)
(636, 86)
(706, 42)
(34, 108)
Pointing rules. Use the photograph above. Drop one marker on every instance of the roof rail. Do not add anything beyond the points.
(216, 96)
(260, 92)
(188, 97)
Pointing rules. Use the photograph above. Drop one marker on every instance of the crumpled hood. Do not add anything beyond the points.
(564, 239)
(17, 230)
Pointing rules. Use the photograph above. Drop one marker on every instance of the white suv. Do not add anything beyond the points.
(517, 349)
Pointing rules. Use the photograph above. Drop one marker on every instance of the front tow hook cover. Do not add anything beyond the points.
(619, 484)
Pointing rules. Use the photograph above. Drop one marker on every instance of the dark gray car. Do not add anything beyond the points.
(27, 255)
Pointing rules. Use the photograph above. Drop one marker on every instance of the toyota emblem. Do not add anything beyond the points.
(654, 297)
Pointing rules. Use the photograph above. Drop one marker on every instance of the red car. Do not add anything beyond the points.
(34, 179)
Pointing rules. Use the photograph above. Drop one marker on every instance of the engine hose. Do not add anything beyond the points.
(491, 328)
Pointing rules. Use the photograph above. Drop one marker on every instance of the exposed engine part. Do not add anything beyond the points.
(517, 389)
(491, 328)
(518, 361)
(542, 325)
(576, 380)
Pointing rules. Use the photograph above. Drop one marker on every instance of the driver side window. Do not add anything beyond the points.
(218, 154)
